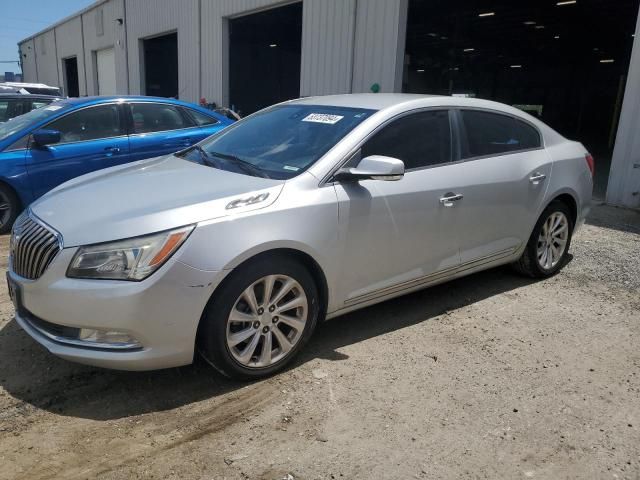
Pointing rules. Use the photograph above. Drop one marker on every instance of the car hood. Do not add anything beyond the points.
(146, 197)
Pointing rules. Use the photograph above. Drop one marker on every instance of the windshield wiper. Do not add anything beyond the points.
(243, 164)
(206, 158)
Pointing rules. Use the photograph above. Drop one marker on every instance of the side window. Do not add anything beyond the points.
(419, 140)
(201, 119)
(493, 134)
(156, 117)
(37, 104)
(102, 121)
(4, 110)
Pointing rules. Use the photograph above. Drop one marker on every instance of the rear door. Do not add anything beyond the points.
(160, 128)
(92, 138)
(205, 124)
(502, 180)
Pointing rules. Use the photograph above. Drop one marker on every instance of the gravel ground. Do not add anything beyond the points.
(491, 376)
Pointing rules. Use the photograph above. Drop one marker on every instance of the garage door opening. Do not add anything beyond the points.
(105, 72)
(565, 62)
(161, 66)
(264, 58)
(71, 83)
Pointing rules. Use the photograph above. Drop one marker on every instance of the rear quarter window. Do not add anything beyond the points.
(201, 119)
(489, 133)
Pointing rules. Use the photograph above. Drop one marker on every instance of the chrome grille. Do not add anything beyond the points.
(33, 247)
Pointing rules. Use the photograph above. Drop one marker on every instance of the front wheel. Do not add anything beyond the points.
(548, 247)
(258, 320)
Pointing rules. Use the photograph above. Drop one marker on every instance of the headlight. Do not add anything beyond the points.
(132, 259)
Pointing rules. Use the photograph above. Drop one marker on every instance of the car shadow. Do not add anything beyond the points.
(31, 375)
(615, 218)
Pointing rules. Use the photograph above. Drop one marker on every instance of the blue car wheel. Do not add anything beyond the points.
(9, 208)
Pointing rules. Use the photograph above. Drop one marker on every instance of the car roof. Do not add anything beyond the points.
(124, 98)
(25, 84)
(373, 101)
(382, 101)
(396, 102)
(28, 95)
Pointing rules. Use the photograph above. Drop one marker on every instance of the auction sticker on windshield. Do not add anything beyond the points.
(323, 118)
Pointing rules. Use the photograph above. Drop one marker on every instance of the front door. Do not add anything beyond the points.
(397, 234)
(91, 139)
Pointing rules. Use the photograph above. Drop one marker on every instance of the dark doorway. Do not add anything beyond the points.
(161, 66)
(563, 61)
(72, 85)
(264, 58)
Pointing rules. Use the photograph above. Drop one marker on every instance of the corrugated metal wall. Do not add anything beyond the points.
(67, 45)
(45, 47)
(328, 28)
(347, 45)
(148, 18)
(624, 178)
(379, 49)
(103, 30)
(28, 57)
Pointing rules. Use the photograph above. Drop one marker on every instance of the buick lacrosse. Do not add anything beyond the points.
(236, 247)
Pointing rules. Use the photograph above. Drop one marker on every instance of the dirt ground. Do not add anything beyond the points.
(491, 376)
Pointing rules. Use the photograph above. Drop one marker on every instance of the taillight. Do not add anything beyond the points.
(591, 163)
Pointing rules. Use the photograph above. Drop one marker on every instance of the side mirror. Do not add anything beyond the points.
(374, 167)
(44, 137)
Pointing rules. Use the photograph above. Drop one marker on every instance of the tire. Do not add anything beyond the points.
(9, 208)
(531, 263)
(229, 317)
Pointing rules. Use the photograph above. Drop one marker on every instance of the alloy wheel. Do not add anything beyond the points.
(267, 321)
(552, 241)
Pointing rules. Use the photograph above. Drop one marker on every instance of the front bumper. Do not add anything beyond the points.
(162, 313)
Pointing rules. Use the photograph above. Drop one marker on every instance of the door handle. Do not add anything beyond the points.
(111, 150)
(449, 198)
(537, 177)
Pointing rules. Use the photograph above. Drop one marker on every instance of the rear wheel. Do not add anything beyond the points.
(9, 208)
(260, 318)
(548, 247)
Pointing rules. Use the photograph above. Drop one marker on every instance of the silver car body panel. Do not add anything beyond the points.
(372, 240)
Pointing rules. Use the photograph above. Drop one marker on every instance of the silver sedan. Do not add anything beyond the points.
(238, 246)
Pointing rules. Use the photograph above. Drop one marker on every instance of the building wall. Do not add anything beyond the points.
(328, 29)
(624, 178)
(379, 45)
(67, 45)
(108, 33)
(28, 58)
(45, 48)
(149, 18)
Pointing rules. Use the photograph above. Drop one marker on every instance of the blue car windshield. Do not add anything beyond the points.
(279, 142)
(21, 122)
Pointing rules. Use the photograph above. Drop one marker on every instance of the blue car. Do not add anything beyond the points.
(48, 146)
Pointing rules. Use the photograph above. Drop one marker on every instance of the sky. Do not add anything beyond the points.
(22, 18)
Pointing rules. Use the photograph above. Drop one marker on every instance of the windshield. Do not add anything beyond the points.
(34, 116)
(279, 142)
